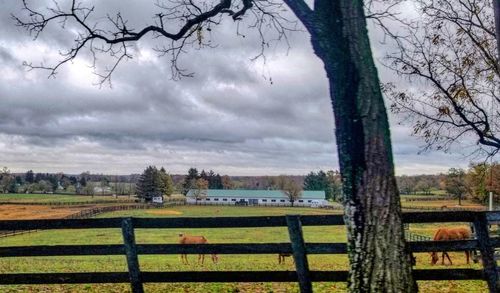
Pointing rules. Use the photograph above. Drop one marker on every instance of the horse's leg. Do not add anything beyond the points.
(448, 256)
(467, 255)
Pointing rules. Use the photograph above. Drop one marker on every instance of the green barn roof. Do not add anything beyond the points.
(248, 193)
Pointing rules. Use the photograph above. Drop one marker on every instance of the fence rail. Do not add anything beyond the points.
(443, 208)
(84, 214)
(296, 246)
(426, 198)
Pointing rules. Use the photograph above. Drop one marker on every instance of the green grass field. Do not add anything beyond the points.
(57, 198)
(227, 262)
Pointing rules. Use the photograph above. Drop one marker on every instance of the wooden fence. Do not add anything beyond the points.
(296, 246)
(83, 214)
(443, 208)
(426, 198)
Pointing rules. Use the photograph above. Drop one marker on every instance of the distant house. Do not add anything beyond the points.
(106, 190)
(255, 197)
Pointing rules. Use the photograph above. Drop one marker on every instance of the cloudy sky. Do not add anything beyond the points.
(229, 117)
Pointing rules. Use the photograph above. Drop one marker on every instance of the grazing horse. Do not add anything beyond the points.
(446, 234)
(281, 257)
(186, 239)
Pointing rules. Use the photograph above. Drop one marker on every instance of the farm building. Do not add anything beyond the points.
(255, 197)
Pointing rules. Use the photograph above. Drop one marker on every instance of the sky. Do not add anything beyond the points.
(236, 115)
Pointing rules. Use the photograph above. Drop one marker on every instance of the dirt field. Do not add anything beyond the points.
(27, 212)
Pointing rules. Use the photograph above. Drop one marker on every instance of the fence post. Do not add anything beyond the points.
(132, 259)
(299, 252)
(487, 252)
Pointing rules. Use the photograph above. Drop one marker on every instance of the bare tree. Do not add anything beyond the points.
(450, 60)
(456, 184)
(379, 261)
(200, 190)
(290, 188)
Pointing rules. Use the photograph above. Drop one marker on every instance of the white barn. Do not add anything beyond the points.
(255, 197)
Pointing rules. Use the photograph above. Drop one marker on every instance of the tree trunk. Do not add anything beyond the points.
(496, 14)
(379, 260)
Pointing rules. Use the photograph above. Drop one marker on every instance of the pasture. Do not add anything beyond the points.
(58, 198)
(226, 262)
(25, 212)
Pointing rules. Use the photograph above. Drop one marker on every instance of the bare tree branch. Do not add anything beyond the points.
(451, 59)
(194, 17)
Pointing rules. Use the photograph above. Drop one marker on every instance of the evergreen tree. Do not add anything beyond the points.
(211, 180)
(311, 182)
(149, 184)
(327, 182)
(83, 181)
(19, 180)
(73, 180)
(154, 182)
(203, 175)
(189, 180)
(29, 177)
(218, 182)
(38, 177)
(53, 180)
(167, 184)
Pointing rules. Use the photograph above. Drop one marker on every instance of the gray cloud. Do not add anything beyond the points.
(228, 117)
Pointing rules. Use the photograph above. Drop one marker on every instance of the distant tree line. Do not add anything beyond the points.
(480, 179)
(420, 184)
(85, 183)
(475, 183)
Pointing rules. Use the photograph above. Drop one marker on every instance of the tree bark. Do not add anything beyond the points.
(379, 260)
(496, 13)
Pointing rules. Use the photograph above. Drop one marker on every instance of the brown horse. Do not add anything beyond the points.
(187, 239)
(446, 234)
(281, 257)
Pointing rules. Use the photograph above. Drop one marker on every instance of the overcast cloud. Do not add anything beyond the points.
(229, 117)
